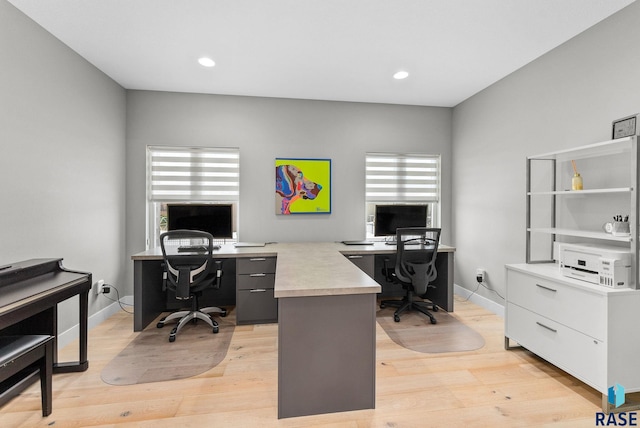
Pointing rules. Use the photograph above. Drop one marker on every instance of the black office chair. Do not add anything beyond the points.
(415, 269)
(190, 269)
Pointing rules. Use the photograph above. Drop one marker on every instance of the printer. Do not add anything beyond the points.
(603, 265)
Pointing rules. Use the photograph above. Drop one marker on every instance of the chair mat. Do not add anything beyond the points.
(415, 332)
(150, 357)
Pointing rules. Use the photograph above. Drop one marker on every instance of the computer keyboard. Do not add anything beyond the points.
(357, 242)
(195, 248)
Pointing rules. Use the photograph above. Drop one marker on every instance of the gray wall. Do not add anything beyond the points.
(62, 174)
(266, 128)
(564, 99)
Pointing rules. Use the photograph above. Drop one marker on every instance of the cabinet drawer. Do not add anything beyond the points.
(256, 265)
(579, 355)
(577, 308)
(255, 281)
(256, 306)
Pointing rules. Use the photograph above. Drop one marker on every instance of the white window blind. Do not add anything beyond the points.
(193, 174)
(394, 177)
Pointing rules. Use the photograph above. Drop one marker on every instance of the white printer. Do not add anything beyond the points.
(603, 265)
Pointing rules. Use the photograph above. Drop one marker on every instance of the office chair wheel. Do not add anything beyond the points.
(396, 318)
(223, 313)
(382, 305)
(161, 322)
(216, 329)
(172, 335)
(433, 321)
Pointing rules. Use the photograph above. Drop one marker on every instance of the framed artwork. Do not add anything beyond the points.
(303, 186)
(624, 127)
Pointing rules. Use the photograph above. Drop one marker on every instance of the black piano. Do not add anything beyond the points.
(29, 295)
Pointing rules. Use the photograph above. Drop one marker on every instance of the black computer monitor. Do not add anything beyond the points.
(217, 219)
(390, 217)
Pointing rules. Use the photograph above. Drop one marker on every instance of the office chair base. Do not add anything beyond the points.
(185, 316)
(406, 304)
(214, 310)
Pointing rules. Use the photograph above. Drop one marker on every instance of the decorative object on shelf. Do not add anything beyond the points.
(303, 186)
(618, 227)
(576, 181)
(624, 127)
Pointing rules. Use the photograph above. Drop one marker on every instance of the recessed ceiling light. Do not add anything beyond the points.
(401, 75)
(206, 62)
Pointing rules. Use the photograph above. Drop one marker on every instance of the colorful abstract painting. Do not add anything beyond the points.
(303, 186)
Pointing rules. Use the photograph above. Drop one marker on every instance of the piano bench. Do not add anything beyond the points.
(21, 357)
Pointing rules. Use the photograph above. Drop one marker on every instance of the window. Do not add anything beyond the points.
(189, 174)
(397, 178)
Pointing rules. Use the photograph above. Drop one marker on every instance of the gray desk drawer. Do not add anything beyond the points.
(365, 262)
(256, 265)
(255, 281)
(256, 306)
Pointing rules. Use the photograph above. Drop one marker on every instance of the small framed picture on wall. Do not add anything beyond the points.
(624, 127)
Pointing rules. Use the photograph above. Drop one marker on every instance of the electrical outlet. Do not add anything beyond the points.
(480, 275)
(99, 286)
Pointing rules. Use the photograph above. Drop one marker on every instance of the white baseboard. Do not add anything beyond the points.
(479, 300)
(73, 333)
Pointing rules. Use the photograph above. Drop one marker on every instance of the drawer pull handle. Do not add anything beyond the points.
(547, 327)
(546, 288)
(354, 257)
(255, 275)
(258, 290)
(258, 259)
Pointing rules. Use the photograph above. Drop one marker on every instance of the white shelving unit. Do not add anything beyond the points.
(589, 331)
(611, 183)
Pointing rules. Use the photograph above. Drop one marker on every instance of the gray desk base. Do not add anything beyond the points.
(326, 354)
(442, 291)
(150, 301)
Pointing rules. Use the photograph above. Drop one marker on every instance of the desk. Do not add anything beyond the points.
(149, 300)
(326, 319)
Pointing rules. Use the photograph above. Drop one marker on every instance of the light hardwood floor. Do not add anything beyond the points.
(489, 387)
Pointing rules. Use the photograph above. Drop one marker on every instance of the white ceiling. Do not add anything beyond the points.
(345, 50)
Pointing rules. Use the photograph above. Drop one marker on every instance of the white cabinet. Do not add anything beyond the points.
(590, 331)
(587, 330)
